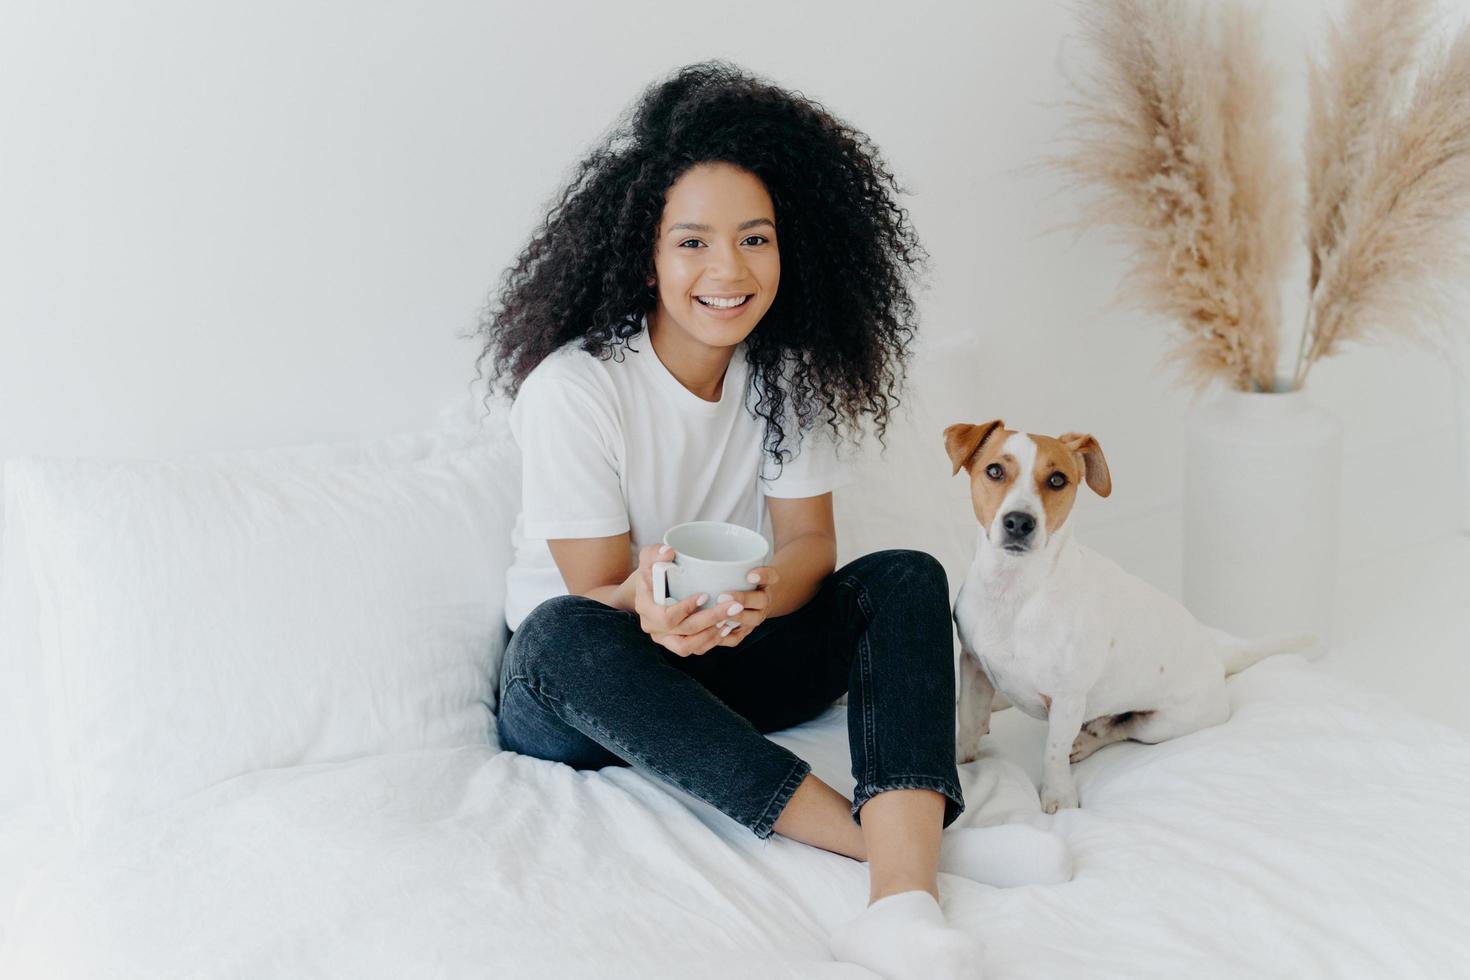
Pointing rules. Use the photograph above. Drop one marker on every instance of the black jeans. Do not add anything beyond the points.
(581, 683)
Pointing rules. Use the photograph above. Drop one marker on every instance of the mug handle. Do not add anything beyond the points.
(661, 583)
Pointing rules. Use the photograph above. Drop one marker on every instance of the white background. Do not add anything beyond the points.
(236, 225)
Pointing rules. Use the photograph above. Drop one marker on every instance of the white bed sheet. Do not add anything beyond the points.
(1321, 832)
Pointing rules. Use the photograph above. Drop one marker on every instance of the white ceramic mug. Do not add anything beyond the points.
(710, 557)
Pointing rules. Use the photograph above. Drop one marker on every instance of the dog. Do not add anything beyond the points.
(1064, 633)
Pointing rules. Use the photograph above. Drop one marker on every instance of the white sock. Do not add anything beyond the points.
(1005, 855)
(905, 937)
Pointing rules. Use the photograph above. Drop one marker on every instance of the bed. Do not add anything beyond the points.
(243, 782)
(1316, 834)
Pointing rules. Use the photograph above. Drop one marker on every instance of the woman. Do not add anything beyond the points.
(716, 301)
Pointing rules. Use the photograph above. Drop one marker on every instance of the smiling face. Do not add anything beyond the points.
(1022, 485)
(716, 245)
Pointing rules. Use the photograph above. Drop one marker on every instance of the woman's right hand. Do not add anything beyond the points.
(681, 628)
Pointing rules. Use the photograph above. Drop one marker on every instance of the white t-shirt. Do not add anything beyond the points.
(609, 446)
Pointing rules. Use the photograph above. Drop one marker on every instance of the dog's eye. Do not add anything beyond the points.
(995, 471)
(1057, 481)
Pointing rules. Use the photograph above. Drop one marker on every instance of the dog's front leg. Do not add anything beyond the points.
(972, 712)
(1063, 722)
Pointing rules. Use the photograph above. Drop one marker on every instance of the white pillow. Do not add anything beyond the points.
(27, 782)
(206, 618)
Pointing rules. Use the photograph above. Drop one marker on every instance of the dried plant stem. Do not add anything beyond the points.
(1177, 140)
(1298, 371)
(1402, 239)
(1352, 97)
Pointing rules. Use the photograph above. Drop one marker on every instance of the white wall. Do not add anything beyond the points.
(243, 225)
(254, 224)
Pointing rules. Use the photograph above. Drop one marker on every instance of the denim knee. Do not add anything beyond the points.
(546, 644)
(916, 570)
(915, 580)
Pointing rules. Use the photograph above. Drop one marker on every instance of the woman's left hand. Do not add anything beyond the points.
(755, 603)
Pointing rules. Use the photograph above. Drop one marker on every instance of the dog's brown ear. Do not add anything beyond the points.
(963, 440)
(1093, 463)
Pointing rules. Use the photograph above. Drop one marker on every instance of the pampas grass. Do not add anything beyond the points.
(1173, 131)
(1171, 134)
(1351, 99)
(1388, 231)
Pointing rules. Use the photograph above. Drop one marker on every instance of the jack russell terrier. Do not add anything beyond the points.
(1064, 633)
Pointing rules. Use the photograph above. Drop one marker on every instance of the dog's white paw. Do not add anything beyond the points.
(966, 753)
(1053, 799)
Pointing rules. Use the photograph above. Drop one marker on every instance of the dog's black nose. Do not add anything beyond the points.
(1018, 523)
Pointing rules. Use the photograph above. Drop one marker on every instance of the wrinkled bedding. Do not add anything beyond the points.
(1321, 832)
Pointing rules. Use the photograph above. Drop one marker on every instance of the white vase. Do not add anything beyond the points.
(1262, 489)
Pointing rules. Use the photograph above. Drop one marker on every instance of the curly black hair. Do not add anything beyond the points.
(835, 338)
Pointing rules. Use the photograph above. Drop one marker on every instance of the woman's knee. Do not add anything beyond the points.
(908, 571)
(563, 637)
(909, 591)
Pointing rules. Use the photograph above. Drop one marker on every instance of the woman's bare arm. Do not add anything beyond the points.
(806, 549)
(598, 568)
